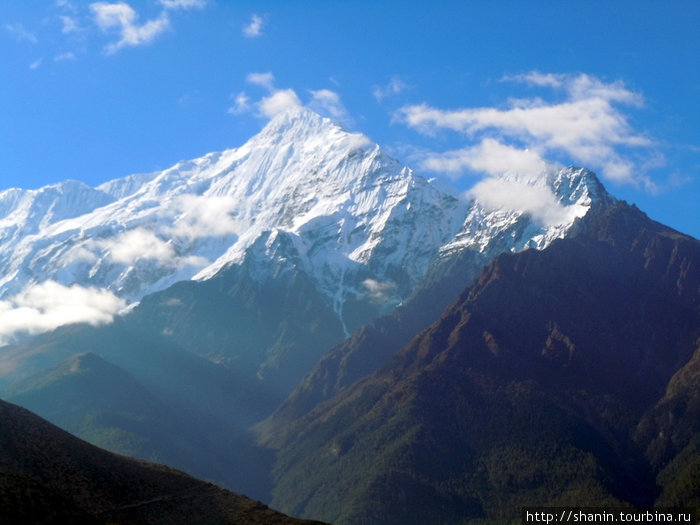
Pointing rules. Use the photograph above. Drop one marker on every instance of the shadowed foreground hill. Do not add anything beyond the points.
(49, 476)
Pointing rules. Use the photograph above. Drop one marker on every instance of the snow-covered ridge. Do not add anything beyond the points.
(356, 220)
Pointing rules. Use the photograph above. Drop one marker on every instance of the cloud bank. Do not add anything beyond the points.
(526, 196)
(586, 126)
(48, 305)
(489, 156)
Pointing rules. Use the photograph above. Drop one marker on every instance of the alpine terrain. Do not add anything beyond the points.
(305, 320)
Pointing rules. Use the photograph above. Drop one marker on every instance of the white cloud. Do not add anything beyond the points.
(48, 305)
(581, 87)
(204, 216)
(183, 4)
(254, 28)
(265, 80)
(394, 87)
(535, 78)
(21, 34)
(241, 104)
(323, 101)
(586, 127)
(80, 253)
(278, 102)
(64, 56)
(69, 25)
(522, 195)
(122, 17)
(490, 156)
(36, 63)
(378, 291)
(327, 102)
(67, 5)
(138, 244)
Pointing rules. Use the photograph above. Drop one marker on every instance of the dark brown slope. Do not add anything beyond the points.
(48, 475)
(368, 349)
(544, 384)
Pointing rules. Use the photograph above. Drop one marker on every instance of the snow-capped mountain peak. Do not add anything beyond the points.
(352, 214)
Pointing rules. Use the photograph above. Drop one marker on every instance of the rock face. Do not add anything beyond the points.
(49, 476)
(552, 380)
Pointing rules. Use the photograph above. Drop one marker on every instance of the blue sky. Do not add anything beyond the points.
(461, 90)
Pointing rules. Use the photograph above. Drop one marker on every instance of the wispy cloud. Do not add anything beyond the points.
(183, 4)
(241, 104)
(394, 87)
(64, 56)
(48, 305)
(123, 18)
(36, 63)
(20, 33)
(265, 80)
(69, 24)
(328, 103)
(254, 27)
(587, 127)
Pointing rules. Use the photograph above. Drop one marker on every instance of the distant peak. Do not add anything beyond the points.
(570, 184)
(573, 183)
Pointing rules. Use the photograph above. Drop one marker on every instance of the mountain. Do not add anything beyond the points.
(143, 396)
(302, 194)
(299, 237)
(49, 476)
(334, 193)
(372, 345)
(90, 397)
(566, 376)
(233, 274)
(85, 393)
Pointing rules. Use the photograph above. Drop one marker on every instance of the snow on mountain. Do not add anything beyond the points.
(515, 212)
(360, 223)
